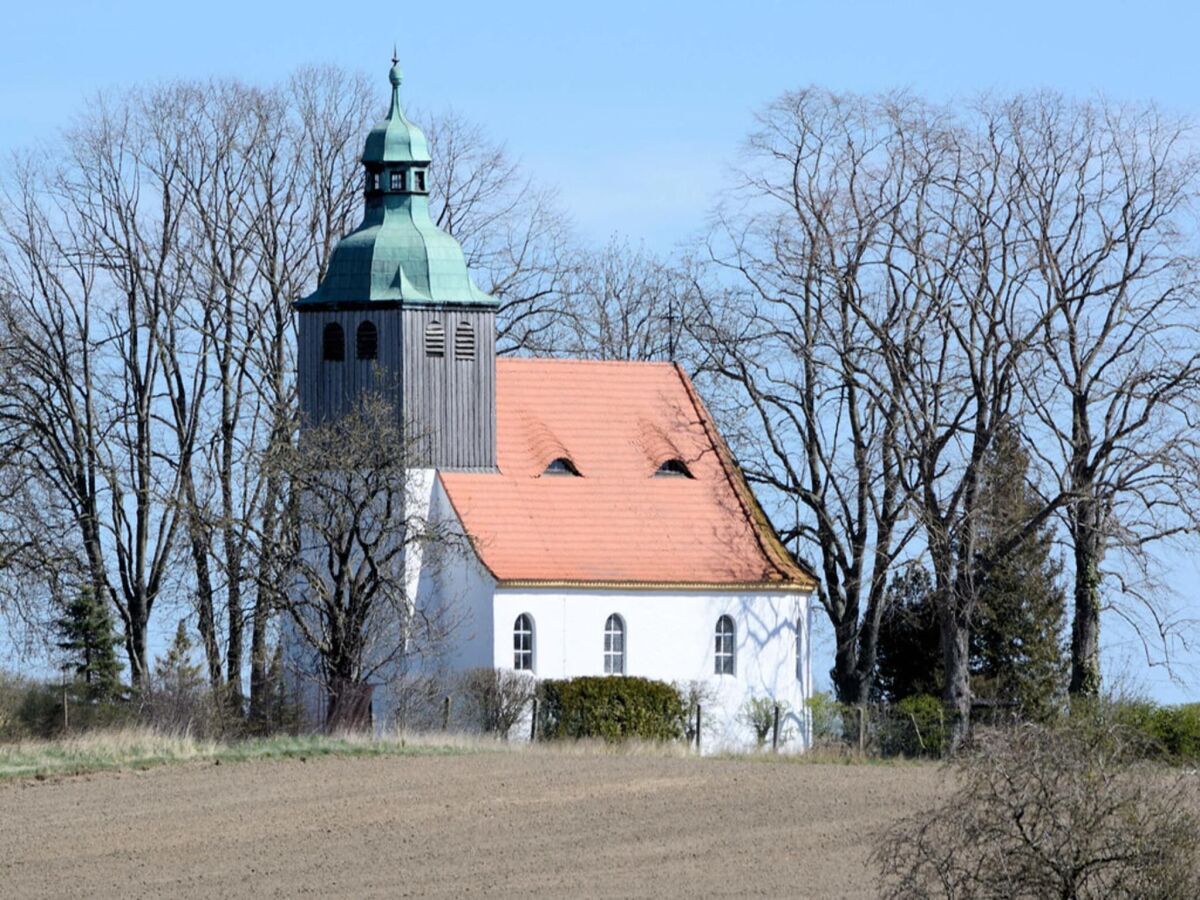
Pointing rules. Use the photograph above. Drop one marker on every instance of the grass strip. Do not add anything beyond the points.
(142, 749)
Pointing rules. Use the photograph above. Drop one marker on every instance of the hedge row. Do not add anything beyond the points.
(1173, 732)
(610, 707)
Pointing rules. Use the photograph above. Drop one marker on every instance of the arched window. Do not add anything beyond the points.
(333, 343)
(435, 339)
(561, 466)
(724, 656)
(366, 341)
(464, 341)
(673, 468)
(614, 645)
(523, 643)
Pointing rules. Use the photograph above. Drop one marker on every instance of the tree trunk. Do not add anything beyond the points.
(135, 646)
(205, 617)
(233, 655)
(260, 688)
(1085, 626)
(956, 642)
(848, 682)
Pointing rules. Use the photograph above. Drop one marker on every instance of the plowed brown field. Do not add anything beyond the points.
(552, 825)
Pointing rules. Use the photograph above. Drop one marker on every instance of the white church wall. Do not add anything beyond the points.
(461, 582)
(449, 584)
(444, 579)
(670, 636)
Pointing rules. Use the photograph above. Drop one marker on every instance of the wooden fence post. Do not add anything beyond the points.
(533, 723)
(862, 730)
(775, 731)
(446, 713)
(697, 727)
(66, 719)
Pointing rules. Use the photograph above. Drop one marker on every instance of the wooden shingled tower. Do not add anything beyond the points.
(398, 314)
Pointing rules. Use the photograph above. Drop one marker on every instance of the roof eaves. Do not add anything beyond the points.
(584, 584)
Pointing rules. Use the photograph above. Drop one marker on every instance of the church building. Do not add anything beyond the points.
(610, 530)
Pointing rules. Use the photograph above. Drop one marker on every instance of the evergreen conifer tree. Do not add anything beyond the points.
(907, 658)
(176, 673)
(1017, 650)
(86, 634)
(1017, 654)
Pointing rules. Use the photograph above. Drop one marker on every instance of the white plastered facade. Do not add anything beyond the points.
(669, 636)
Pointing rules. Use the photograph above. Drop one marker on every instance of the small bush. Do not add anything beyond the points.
(1177, 729)
(34, 709)
(1168, 733)
(611, 707)
(496, 699)
(1050, 813)
(176, 699)
(916, 726)
(12, 689)
(826, 714)
(758, 713)
(695, 694)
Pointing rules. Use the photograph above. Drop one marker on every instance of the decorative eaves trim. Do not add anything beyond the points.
(790, 587)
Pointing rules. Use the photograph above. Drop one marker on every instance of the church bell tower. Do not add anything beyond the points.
(398, 314)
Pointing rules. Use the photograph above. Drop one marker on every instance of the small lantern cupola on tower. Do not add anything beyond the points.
(406, 282)
(396, 156)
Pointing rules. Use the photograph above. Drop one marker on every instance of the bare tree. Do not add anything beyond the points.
(1044, 813)
(360, 524)
(1107, 209)
(148, 327)
(90, 255)
(795, 331)
(513, 232)
(622, 302)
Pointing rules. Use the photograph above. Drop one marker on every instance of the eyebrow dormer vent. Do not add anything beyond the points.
(673, 468)
(562, 466)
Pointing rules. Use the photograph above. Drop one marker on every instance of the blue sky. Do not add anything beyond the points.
(632, 109)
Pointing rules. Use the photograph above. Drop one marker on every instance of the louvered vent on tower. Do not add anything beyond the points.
(464, 341)
(435, 339)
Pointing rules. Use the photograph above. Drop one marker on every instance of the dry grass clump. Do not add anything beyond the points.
(1071, 812)
(103, 749)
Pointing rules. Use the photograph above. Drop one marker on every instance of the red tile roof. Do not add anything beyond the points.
(616, 524)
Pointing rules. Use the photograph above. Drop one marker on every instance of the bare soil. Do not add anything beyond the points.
(477, 825)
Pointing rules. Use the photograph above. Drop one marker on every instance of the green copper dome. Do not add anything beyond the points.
(395, 139)
(397, 255)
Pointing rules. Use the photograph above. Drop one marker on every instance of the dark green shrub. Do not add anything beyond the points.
(916, 726)
(34, 709)
(610, 707)
(1176, 729)
(1170, 733)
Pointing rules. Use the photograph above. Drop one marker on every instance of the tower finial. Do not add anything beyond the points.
(395, 76)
